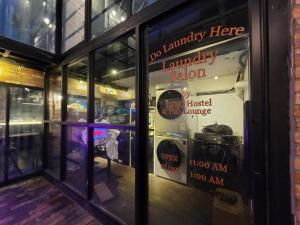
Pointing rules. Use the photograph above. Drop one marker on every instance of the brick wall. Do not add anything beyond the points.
(295, 105)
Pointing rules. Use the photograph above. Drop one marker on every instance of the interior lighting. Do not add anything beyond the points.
(114, 72)
(44, 3)
(46, 20)
(216, 77)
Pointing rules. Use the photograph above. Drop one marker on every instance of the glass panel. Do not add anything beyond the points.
(29, 21)
(107, 14)
(14, 73)
(138, 5)
(55, 97)
(77, 158)
(199, 93)
(114, 172)
(2, 130)
(25, 131)
(54, 150)
(115, 82)
(77, 91)
(72, 23)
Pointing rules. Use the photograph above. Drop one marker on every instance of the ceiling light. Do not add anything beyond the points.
(216, 77)
(114, 72)
(113, 12)
(46, 20)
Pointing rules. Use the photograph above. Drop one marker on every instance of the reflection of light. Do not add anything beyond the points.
(113, 12)
(57, 98)
(157, 87)
(216, 77)
(27, 1)
(46, 20)
(27, 89)
(80, 81)
(114, 72)
(122, 18)
(50, 25)
(44, 3)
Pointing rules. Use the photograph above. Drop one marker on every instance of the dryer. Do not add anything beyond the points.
(169, 113)
(170, 158)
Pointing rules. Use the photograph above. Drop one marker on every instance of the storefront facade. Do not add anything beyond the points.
(163, 112)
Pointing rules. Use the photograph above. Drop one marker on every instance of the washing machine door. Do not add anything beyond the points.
(170, 104)
(169, 155)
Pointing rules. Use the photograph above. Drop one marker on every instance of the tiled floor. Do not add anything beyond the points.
(38, 202)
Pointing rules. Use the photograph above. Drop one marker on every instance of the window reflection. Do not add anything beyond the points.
(73, 23)
(108, 13)
(138, 5)
(30, 21)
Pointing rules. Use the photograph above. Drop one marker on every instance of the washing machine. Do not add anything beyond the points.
(170, 157)
(169, 113)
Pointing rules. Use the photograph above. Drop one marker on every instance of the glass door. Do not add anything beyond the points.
(3, 95)
(199, 90)
(25, 131)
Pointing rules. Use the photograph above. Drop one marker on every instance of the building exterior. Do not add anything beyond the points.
(155, 112)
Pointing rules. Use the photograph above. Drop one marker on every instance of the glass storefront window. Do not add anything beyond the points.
(54, 150)
(138, 5)
(114, 172)
(115, 82)
(25, 131)
(3, 96)
(77, 91)
(108, 13)
(114, 148)
(55, 97)
(199, 92)
(73, 23)
(31, 22)
(77, 158)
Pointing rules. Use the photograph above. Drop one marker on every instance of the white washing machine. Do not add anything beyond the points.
(169, 113)
(170, 155)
